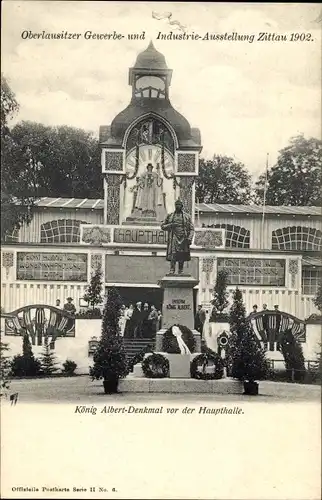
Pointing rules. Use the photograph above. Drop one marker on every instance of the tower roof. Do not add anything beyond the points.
(150, 58)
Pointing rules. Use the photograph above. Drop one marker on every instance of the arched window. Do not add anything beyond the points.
(61, 231)
(296, 238)
(236, 236)
(13, 236)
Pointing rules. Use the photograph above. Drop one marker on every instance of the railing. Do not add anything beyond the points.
(39, 320)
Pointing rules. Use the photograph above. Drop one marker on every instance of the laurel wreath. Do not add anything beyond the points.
(203, 360)
(170, 343)
(155, 366)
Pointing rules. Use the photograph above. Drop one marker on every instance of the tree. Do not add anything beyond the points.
(296, 177)
(48, 359)
(16, 202)
(25, 365)
(93, 294)
(293, 356)
(110, 358)
(318, 298)
(223, 180)
(246, 357)
(64, 161)
(220, 300)
(4, 369)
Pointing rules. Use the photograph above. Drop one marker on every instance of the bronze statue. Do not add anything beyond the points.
(180, 228)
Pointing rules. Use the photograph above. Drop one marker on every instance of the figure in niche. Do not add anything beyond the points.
(148, 193)
(146, 133)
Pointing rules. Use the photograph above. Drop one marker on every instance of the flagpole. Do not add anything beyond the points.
(264, 200)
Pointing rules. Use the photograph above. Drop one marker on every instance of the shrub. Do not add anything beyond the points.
(89, 314)
(48, 359)
(110, 358)
(69, 367)
(25, 364)
(170, 343)
(93, 294)
(293, 356)
(246, 359)
(4, 369)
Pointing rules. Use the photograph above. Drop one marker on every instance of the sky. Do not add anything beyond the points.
(247, 99)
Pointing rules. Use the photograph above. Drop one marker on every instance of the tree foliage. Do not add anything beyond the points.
(223, 180)
(220, 300)
(16, 203)
(110, 357)
(63, 161)
(318, 298)
(296, 177)
(93, 294)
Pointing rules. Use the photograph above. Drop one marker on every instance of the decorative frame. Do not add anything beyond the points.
(113, 161)
(187, 163)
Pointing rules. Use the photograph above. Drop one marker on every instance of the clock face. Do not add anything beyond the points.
(149, 154)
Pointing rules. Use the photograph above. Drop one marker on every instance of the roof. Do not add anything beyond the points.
(258, 209)
(312, 261)
(98, 204)
(150, 58)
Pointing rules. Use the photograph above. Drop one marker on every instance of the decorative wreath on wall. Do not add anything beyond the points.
(170, 342)
(207, 367)
(155, 366)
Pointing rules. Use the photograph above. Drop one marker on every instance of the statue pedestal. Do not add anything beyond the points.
(177, 306)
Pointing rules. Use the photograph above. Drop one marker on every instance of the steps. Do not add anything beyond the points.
(134, 346)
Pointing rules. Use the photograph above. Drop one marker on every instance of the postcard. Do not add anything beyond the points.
(161, 247)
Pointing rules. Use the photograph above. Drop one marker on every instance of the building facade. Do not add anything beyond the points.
(150, 158)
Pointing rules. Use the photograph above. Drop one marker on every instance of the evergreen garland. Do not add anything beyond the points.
(156, 366)
(170, 343)
(4, 369)
(205, 360)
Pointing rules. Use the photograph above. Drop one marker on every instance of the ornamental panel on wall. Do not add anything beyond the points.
(113, 161)
(260, 272)
(51, 266)
(113, 199)
(186, 163)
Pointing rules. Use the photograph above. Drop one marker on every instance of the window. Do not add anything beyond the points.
(236, 236)
(150, 86)
(13, 236)
(311, 278)
(61, 231)
(260, 272)
(296, 238)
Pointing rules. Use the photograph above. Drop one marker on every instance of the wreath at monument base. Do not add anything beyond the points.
(155, 366)
(207, 366)
(170, 342)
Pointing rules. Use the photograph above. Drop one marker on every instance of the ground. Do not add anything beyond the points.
(82, 389)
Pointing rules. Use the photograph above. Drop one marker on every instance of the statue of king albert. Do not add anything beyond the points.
(180, 228)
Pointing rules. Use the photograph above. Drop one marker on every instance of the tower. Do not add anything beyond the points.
(150, 154)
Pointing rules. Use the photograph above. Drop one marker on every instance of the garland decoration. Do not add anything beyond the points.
(170, 342)
(198, 367)
(155, 366)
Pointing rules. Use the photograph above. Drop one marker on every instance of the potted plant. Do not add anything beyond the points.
(246, 358)
(110, 358)
(93, 294)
